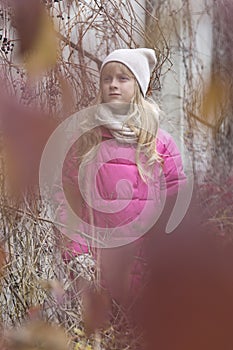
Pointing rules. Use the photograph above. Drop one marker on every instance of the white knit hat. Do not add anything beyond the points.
(140, 61)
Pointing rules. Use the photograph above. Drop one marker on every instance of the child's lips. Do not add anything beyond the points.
(114, 94)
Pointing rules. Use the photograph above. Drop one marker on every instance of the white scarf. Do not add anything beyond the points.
(116, 124)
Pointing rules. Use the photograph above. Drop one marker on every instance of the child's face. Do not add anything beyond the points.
(117, 83)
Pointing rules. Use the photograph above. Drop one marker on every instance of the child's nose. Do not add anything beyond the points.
(114, 83)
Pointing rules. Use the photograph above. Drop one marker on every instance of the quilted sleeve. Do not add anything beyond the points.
(70, 192)
(173, 176)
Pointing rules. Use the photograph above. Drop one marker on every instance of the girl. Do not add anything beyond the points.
(125, 166)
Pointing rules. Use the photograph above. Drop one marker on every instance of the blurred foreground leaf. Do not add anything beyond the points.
(36, 34)
(37, 336)
(215, 102)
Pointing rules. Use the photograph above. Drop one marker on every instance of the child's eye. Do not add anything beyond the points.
(106, 79)
(124, 77)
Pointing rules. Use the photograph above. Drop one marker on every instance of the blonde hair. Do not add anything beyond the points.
(146, 131)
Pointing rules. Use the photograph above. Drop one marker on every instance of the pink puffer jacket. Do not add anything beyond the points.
(123, 206)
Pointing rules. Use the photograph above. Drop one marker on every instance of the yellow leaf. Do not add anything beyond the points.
(88, 347)
(214, 101)
(82, 346)
(44, 52)
(79, 332)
